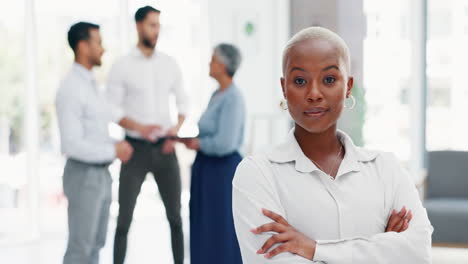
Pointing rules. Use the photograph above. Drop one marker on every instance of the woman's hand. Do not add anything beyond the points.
(399, 222)
(193, 143)
(169, 144)
(288, 237)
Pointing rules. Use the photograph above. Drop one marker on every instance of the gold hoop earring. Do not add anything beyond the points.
(284, 104)
(353, 104)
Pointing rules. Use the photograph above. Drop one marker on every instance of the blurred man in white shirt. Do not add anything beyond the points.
(140, 87)
(83, 119)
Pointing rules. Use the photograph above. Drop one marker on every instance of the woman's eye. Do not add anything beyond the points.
(299, 81)
(329, 80)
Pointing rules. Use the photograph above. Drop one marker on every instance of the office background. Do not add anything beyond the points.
(408, 58)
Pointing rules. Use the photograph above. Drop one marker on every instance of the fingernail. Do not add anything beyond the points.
(253, 230)
(393, 211)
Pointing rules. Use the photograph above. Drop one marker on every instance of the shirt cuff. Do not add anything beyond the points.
(333, 252)
(117, 115)
(204, 144)
(183, 109)
(109, 152)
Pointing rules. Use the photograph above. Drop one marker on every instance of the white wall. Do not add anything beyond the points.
(259, 73)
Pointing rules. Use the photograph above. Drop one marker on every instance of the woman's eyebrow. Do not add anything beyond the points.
(297, 69)
(331, 67)
(324, 69)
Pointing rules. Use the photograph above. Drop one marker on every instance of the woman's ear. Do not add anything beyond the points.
(283, 86)
(349, 86)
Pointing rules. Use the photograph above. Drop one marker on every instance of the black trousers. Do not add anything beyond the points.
(148, 157)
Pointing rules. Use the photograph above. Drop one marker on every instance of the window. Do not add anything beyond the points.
(447, 89)
(13, 180)
(386, 77)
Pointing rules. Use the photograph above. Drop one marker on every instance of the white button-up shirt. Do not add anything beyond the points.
(83, 118)
(140, 88)
(347, 216)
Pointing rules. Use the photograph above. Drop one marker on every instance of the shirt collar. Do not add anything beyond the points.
(87, 74)
(231, 88)
(138, 53)
(290, 151)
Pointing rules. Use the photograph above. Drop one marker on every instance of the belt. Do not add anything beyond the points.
(92, 164)
(155, 143)
(147, 142)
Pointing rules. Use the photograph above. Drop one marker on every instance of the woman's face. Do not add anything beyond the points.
(315, 84)
(217, 68)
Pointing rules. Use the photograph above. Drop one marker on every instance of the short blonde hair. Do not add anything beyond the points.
(319, 33)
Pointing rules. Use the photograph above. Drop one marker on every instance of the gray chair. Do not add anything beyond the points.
(447, 197)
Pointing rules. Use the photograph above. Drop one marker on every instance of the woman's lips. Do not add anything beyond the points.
(316, 112)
